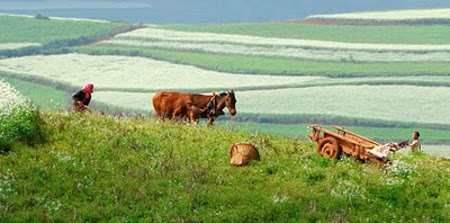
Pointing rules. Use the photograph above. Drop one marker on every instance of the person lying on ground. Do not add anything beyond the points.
(382, 151)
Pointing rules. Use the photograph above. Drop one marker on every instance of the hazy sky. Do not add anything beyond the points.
(52, 4)
(59, 4)
(207, 11)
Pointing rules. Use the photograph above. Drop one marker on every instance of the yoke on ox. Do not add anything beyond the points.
(177, 105)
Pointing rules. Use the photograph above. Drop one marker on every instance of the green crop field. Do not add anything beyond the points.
(18, 29)
(339, 33)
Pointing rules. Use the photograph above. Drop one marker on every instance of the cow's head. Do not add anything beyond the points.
(230, 102)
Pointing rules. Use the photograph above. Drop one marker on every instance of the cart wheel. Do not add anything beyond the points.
(329, 147)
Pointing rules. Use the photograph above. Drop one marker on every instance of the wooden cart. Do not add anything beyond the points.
(330, 144)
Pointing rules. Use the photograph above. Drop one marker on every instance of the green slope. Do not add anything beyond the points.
(101, 169)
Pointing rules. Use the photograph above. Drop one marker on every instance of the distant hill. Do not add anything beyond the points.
(199, 11)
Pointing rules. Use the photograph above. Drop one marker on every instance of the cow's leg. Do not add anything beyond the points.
(211, 120)
(192, 117)
(160, 116)
(176, 115)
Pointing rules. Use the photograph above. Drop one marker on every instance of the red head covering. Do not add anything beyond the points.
(87, 89)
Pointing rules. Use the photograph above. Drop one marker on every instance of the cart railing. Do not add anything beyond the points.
(350, 135)
(341, 134)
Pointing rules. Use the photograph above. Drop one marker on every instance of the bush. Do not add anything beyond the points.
(18, 118)
(39, 16)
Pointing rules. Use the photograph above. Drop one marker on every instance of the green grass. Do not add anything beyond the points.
(100, 169)
(274, 66)
(44, 97)
(30, 30)
(339, 33)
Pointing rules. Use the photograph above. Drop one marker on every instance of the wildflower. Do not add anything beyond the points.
(10, 98)
(279, 199)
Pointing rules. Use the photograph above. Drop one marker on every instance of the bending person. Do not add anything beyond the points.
(82, 98)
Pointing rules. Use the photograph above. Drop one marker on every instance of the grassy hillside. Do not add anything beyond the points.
(96, 168)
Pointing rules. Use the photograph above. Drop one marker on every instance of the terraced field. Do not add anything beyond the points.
(390, 103)
(26, 29)
(429, 16)
(27, 35)
(121, 73)
(436, 34)
(283, 48)
(391, 76)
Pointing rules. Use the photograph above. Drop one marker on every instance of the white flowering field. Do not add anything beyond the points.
(127, 100)
(290, 52)
(137, 74)
(153, 34)
(391, 15)
(13, 46)
(281, 47)
(393, 103)
(438, 150)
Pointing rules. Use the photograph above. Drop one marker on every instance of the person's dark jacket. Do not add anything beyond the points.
(81, 96)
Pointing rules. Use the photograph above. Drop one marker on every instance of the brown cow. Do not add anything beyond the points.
(175, 106)
(160, 109)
